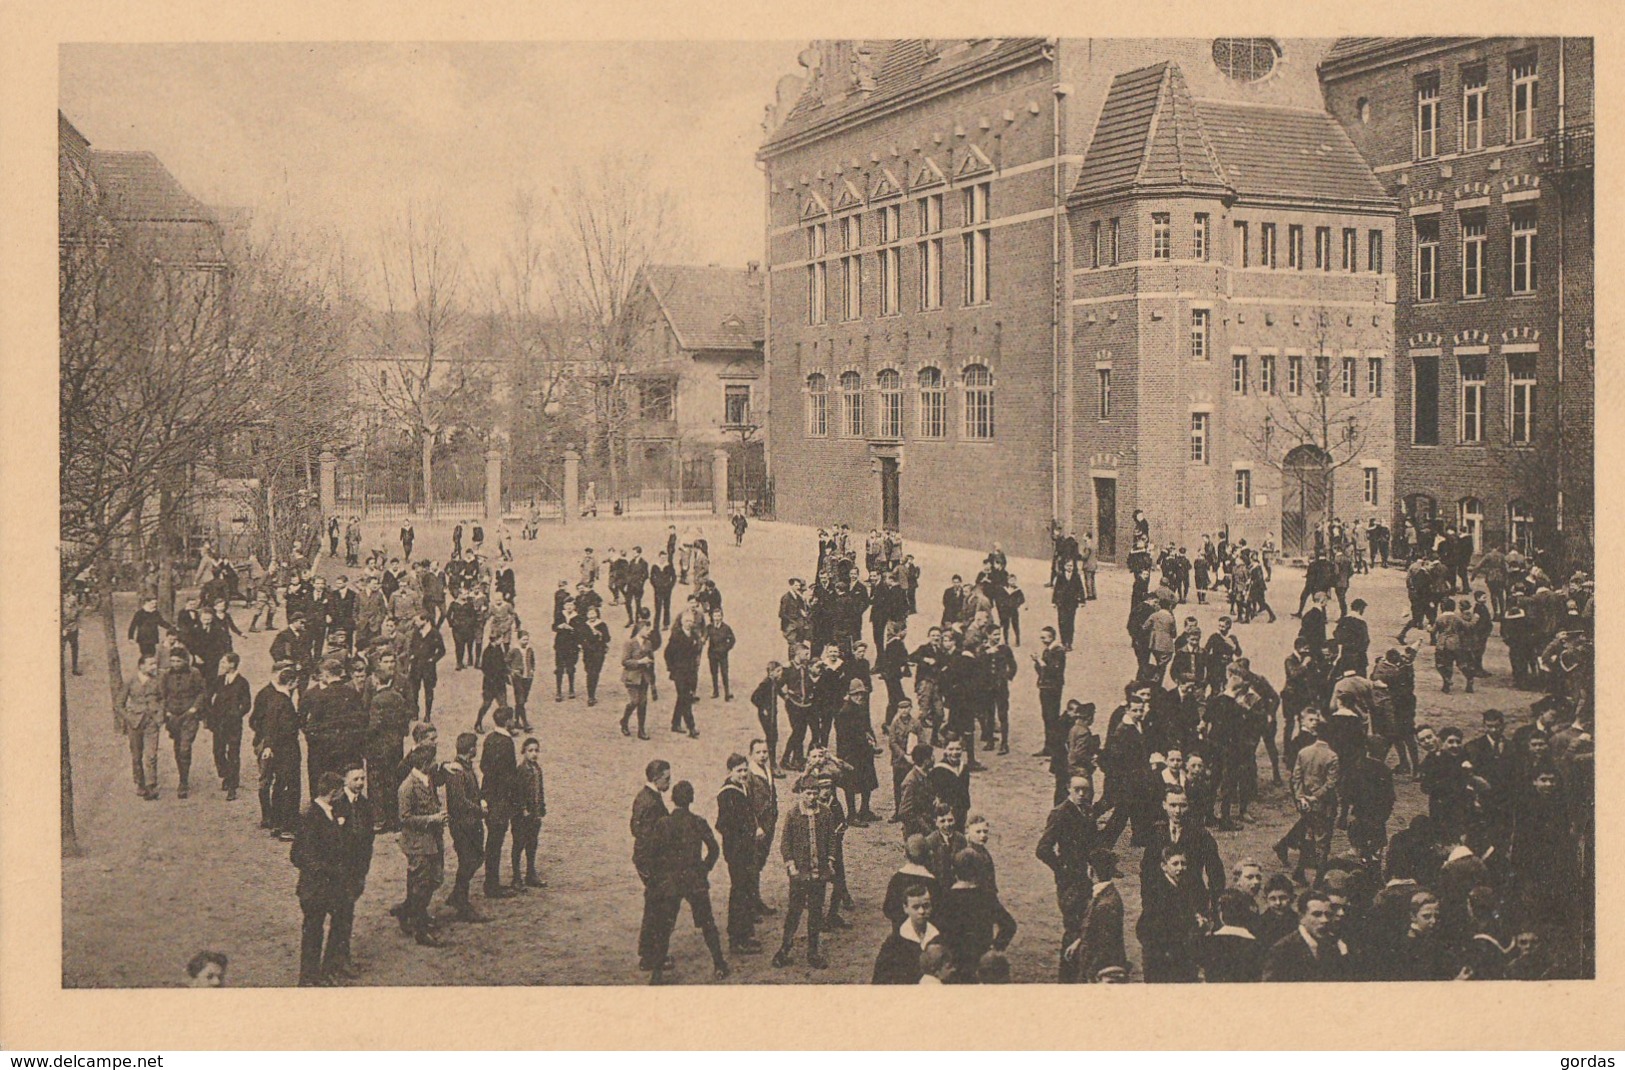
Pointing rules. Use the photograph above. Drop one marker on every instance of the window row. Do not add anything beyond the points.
(1261, 248)
(1523, 98)
(976, 243)
(1523, 234)
(1472, 400)
(1370, 486)
(931, 407)
(1266, 252)
(1269, 384)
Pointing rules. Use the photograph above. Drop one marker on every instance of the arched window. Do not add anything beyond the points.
(891, 403)
(933, 404)
(1521, 526)
(851, 404)
(978, 402)
(817, 405)
(1470, 521)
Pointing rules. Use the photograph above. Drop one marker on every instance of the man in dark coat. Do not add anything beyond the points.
(275, 725)
(648, 807)
(633, 579)
(737, 825)
(319, 852)
(353, 810)
(1099, 947)
(1172, 918)
(1313, 952)
(1204, 874)
(899, 960)
(499, 767)
(683, 649)
(230, 704)
(1065, 845)
(687, 852)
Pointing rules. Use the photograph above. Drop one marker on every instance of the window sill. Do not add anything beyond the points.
(1523, 296)
(1473, 299)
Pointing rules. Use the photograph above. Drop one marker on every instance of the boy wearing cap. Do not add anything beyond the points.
(807, 846)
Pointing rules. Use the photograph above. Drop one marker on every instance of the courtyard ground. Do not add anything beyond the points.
(159, 881)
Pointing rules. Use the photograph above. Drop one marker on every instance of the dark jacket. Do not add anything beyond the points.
(686, 851)
(319, 851)
(647, 809)
(1228, 956)
(1068, 837)
(229, 706)
(357, 825)
(274, 722)
(1102, 934)
(499, 766)
(1290, 959)
(736, 823)
(899, 960)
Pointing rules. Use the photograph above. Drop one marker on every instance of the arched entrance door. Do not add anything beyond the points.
(1306, 493)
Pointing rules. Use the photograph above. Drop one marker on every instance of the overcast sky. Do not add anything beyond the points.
(335, 135)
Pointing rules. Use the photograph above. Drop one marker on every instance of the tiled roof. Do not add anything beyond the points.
(901, 65)
(137, 187)
(1149, 136)
(1291, 153)
(1345, 47)
(709, 307)
(1352, 50)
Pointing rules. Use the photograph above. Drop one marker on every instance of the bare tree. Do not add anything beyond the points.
(425, 380)
(1337, 424)
(607, 225)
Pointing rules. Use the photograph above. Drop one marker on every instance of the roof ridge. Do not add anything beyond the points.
(1156, 119)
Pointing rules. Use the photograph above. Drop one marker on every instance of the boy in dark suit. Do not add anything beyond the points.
(499, 768)
(530, 808)
(466, 815)
(1232, 952)
(319, 854)
(423, 821)
(648, 807)
(229, 705)
(1312, 952)
(736, 821)
(899, 960)
(807, 845)
(688, 851)
(353, 810)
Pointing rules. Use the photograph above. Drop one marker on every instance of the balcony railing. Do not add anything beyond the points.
(1569, 149)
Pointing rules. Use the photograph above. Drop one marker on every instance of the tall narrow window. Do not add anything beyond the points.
(1373, 489)
(1199, 426)
(1373, 252)
(1162, 236)
(1373, 377)
(1266, 374)
(1115, 247)
(1474, 95)
(1525, 97)
(1523, 250)
(851, 404)
(1200, 317)
(1242, 257)
(1323, 248)
(1323, 375)
(1351, 376)
(817, 405)
(1471, 402)
(1521, 398)
(933, 404)
(977, 240)
(851, 268)
(1199, 236)
(1096, 244)
(817, 273)
(1294, 376)
(1266, 245)
(890, 259)
(736, 404)
(1427, 117)
(1238, 375)
(1425, 401)
(1351, 249)
(1294, 246)
(1427, 258)
(1474, 228)
(1103, 384)
(1244, 488)
(891, 403)
(930, 220)
(978, 402)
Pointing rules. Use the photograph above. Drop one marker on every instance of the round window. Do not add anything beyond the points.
(1245, 59)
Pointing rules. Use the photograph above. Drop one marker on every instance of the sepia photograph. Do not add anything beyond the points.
(807, 512)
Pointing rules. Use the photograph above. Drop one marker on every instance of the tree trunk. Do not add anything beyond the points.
(70, 835)
(166, 554)
(428, 473)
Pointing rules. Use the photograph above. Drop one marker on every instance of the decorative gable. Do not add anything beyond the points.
(847, 196)
(928, 174)
(885, 186)
(974, 162)
(815, 206)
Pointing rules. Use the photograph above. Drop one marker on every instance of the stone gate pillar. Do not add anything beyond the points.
(570, 504)
(719, 481)
(493, 484)
(328, 484)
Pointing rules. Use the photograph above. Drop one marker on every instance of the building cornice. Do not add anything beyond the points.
(957, 78)
(1389, 52)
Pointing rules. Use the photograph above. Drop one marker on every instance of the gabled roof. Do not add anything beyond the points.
(136, 187)
(902, 67)
(709, 307)
(1293, 154)
(1153, 137)
(1149, 137)
(1350, 53)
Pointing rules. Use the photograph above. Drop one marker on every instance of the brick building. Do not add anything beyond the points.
(1487, 145)
(988, 303)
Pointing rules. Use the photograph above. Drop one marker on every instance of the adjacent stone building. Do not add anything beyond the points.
(1487, 145)
(1011, 280)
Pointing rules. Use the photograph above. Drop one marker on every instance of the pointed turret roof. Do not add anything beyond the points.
(1149, 138)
